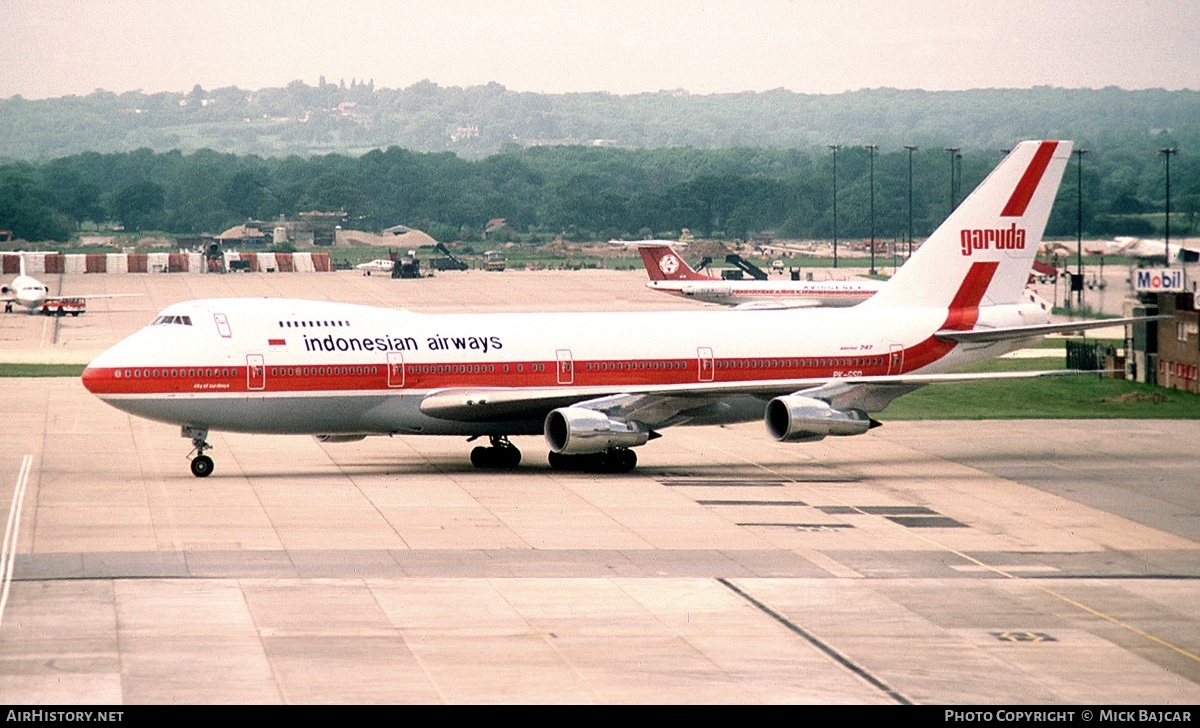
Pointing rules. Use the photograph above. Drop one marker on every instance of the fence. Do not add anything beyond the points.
(1089, 356)
(50, 263)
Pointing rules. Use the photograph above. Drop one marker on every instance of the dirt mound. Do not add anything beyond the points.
(1154, 397)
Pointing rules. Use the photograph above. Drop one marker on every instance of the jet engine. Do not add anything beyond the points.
(580, 431)
(803, 419)
(712, 290)
(339, 438)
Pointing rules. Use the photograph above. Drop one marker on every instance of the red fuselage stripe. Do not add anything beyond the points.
(359, 377)
(1029, 181)
(373, 377)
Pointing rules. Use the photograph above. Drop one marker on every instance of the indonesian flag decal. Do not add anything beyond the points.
(277, 344)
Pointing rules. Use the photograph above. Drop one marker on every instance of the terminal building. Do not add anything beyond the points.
(1178, 357)
(1166, 352)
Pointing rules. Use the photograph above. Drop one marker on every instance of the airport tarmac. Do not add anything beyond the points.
(995, 562)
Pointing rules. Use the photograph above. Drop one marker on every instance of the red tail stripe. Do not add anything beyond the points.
(651, 263)
(964, 309)
(1029, 181)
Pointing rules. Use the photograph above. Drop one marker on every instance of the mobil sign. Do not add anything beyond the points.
(1162, 280)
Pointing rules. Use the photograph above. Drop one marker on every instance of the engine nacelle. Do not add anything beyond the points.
(803, 419)
(707, 290)
(339, 438)
(580, 431)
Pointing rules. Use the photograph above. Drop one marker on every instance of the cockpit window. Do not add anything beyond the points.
(177, 320)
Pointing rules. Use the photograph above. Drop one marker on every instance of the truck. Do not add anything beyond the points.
(64, 306)
(494, 260)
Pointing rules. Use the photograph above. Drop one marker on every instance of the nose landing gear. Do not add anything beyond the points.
(202, 465)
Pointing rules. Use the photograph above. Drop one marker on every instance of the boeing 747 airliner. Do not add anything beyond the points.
(598, 384)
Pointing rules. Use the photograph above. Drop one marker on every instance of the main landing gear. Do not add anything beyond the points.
(202, 465)
(615, 460)
(502, 455)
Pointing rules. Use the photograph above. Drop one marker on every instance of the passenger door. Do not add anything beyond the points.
(256, 372)
(566, 369)
(395, 365)
(222, 322)
(706, 371)
(895, 359)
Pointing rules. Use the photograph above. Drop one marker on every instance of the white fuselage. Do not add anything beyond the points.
(292, 366)
(810, 293)
(28, 291)
(376, 266)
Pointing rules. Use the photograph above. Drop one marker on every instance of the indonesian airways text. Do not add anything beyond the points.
(482, 344)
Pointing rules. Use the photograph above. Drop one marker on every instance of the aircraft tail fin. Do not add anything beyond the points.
(982, 254)
(663, 264)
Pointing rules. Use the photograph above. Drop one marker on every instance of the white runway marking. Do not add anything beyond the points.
(8, 553)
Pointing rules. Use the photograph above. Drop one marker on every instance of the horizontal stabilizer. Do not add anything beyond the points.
(648, 243)
(987, 336)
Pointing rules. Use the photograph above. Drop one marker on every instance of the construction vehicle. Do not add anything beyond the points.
(754, 271)
(405, 266)
(449, 261)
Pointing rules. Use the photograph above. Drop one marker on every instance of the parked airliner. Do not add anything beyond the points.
(597, 384)
(670, 273)
(32, 294)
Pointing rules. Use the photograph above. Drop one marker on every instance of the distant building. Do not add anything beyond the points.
(322, 225)
(244, 236)
(497, 225)
(1179, 342)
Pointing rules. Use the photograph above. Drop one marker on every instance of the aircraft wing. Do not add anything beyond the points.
(91, 296)
(657, 405)
(988, 336)
(777, 305)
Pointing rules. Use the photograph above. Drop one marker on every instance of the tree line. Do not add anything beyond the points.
(477, 121)
(586, 193)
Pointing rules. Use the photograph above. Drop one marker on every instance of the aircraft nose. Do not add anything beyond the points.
(93, 380)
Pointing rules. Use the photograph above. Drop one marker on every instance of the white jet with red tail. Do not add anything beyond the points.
(598, 384)
(670, 273)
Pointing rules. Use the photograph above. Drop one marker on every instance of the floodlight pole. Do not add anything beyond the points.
(871, 149)
(1168, 152)
(953, 154)
(835, 148)
(911, 148)
(1079, 223)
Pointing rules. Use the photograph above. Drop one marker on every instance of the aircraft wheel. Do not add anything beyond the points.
(481, 457)
(504, 457)
(202, 466)
(622, 461)
(509, 456)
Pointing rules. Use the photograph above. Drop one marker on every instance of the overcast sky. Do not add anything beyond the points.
(59, 47)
